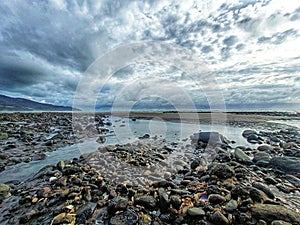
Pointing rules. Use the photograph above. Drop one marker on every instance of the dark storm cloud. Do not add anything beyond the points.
(47, 45)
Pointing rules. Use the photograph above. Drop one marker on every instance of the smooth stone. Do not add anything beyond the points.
(240, 155)
(256, 195)
(216, 198)
(146, 200)
(209, 138)
(293, 180)
(262, 163)
(287, 164)
(222, 170)
(124, 218)
(265, 148)
(163, 199)
(261, 156)
(252, 137)
(3, 136)
(4, 191)
(218, 218)
(247, 133)
(61, 165)
(175, 201)
(269, 213)
(280, 222)
(264, 189)
(231, 205)
(196, 211)
(261, 222)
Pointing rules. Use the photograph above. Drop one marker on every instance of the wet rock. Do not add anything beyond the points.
(270, 180)
(101, 139)
(85, 212)
(259, 156)
(195, 164)
(117, 204)
(3, 136)
(247, 133)
(293, 180)
(196, 211)
(231, 205)
(264, 189)
(218, 218)
(269, 213)
(240, 155)
(216, 199)
(265, 148)
(253, 138)
(61, 165)
(261, 222)
(4, 191)
(280, 222)
(64, 218)
(222, 170)
(256, 195)
(287, 164)
(209, 138)
(163, 199)
(147, 201)
(125, 218)
(175, 201)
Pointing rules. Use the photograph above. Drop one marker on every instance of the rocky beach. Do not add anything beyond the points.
(207, 178)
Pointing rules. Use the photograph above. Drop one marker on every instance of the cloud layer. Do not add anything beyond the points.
(251, 49)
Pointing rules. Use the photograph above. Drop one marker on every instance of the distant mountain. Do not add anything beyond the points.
(22, 104)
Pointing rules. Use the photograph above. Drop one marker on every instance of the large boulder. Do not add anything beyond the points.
(209, 138)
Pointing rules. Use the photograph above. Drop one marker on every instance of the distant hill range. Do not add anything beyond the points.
(22, 104)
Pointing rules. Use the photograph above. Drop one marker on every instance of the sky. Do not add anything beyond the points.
(250, 51)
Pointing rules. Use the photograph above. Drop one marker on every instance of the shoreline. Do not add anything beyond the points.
(145, 182)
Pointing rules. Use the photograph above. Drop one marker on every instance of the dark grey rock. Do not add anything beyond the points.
(147, 201)
(264, 189)
(125, 218)
(218, 218)
(247, 133)
(231, 205)
(265, 148)
(240, 155)
(222, 170)
(117, 204)
(175, 201)
(280, 222)
(261, 156)
(287, 164)
(195, 211)
(216, 198)
(163, 199)
(269, 213)
(293, 180)
(209, 138)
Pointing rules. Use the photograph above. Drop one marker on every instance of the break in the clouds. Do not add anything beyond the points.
(251, 49)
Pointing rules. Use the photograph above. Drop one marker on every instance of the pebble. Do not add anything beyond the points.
(222, 170)
(196, 211)
(231, 205)
(219, 218)
(216, 199)
(147, 201)
(270, 213)
(240, 155)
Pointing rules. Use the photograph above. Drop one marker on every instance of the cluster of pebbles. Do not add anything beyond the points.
(154, 182)
(26, 137)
